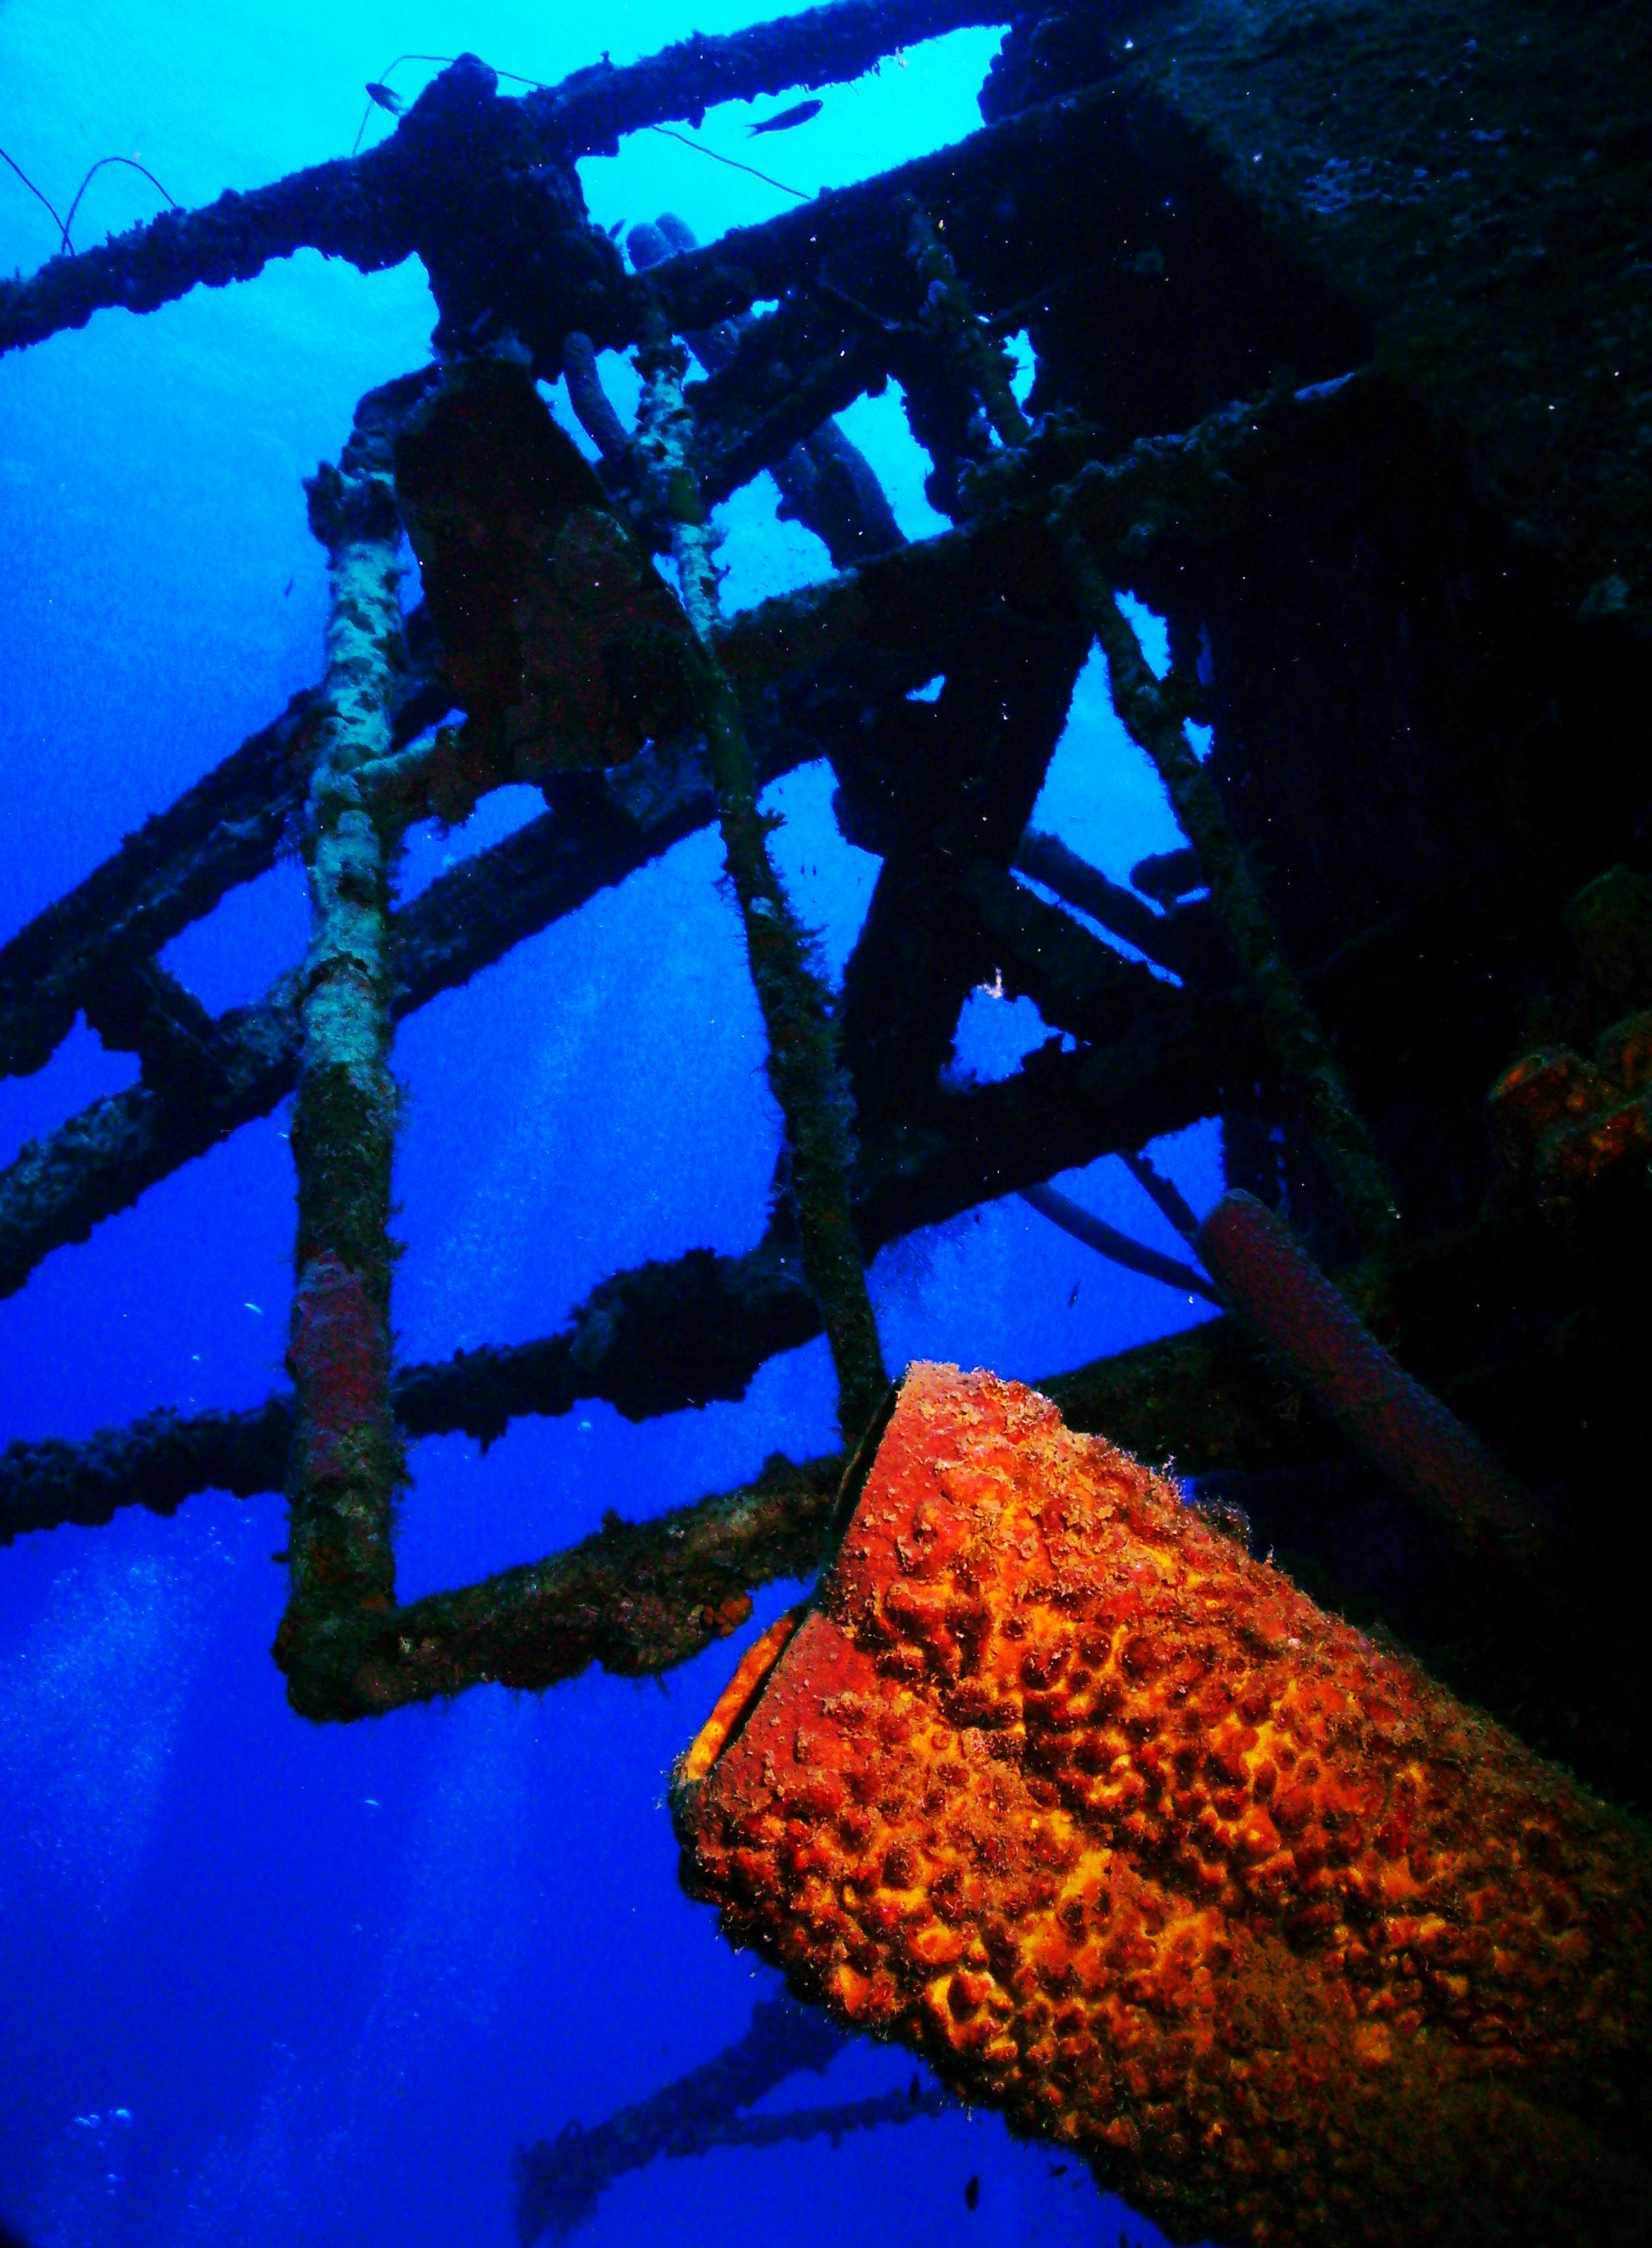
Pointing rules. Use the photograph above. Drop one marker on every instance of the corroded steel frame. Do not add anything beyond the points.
(483, 188)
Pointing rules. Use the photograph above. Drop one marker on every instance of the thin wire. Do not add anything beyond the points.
(35, 193)
(539, 86)
(699, 150)
(63, 225)
(132, 165)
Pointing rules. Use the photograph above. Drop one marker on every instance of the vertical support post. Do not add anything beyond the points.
(802, 1062)
(346, 1459)
(1307, 1067)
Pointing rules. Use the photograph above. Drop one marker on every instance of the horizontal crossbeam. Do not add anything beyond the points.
(373, 209)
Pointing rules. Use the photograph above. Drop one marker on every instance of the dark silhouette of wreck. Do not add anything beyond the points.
(561, 2180)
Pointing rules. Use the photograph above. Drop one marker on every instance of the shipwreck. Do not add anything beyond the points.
(1343, 365)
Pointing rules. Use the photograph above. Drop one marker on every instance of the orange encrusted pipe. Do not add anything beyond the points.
(1402, 1428)
(1057, 1785)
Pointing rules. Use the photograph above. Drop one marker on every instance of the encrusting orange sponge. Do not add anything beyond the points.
(1054, 1783)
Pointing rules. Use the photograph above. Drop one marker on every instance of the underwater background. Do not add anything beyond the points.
(262, 1981)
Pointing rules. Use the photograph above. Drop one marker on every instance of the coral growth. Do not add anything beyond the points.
(347, 1462)
(802, 1057)
(1568, 1124)
(1130, 1839)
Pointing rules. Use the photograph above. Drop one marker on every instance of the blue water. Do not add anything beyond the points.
(266, 1982)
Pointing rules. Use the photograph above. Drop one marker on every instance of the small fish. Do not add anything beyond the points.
(613, 231)
(799, 113)
(386, 96)
(972, 2194)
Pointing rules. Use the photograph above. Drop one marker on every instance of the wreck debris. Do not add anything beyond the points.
(1192, 434)
(1155, 713)
(1401, 1428)
(1128, 1838)
(100, 1161)
(802, 1061)
(562, 645)
(1193, 404)
(345, 1462)
(221, 832)
(979, 363)
(1571, 1122)
(561, 2180)
(638, 1598)
(591, 405)
(1110, 1242)
(1577, 1129)
(377, 209)
(826, 483)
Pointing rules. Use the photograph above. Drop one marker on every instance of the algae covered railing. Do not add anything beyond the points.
(642, 718)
